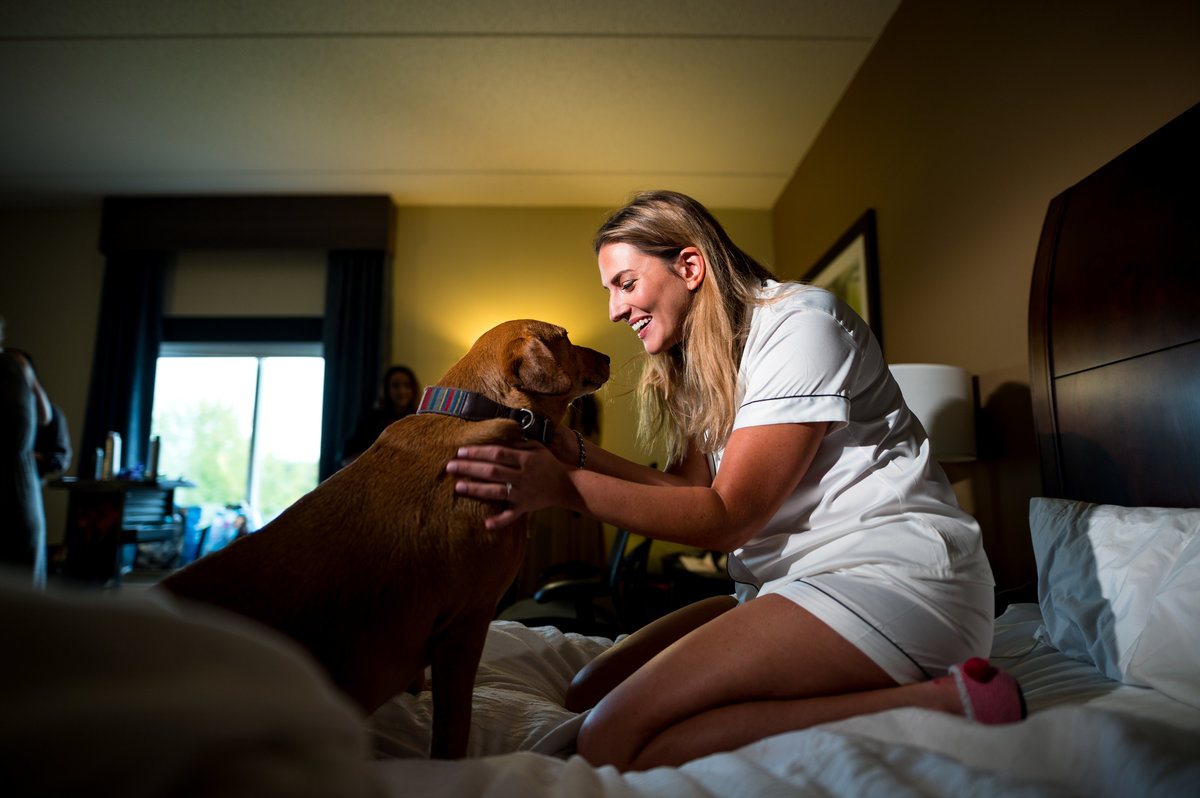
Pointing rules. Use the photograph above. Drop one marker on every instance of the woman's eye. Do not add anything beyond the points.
(625, 286)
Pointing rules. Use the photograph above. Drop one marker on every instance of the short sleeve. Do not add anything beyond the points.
(798, 364)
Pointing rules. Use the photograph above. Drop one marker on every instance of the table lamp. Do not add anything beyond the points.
(943, 399)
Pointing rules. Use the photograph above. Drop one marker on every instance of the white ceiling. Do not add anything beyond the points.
(435, 102)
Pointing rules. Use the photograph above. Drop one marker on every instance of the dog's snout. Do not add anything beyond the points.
(600, 368)
(592, 365)
(594, 355)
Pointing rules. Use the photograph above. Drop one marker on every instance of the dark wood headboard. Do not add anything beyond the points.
(1114, 328)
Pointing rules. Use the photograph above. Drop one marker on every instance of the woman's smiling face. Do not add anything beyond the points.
(649, 294)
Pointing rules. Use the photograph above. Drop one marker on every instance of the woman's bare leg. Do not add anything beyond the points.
(730, 727)
(761, 668)
(596, 679)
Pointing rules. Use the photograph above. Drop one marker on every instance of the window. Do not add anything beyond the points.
(244, 426)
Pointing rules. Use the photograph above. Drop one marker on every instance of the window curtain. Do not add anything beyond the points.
(124, 362)
(355, 299)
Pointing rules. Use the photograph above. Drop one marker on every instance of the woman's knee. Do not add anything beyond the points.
(607, 737)
(585, 741)
(597, 678)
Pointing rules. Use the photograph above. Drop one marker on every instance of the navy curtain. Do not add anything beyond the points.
(355, 300)
(121, 396)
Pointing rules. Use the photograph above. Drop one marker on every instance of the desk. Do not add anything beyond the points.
(103, 515)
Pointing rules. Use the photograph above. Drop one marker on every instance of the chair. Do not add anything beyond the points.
(578, 597)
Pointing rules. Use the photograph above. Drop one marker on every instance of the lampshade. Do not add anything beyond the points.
(943, 399)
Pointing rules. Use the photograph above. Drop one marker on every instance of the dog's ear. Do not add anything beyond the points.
(530, 366)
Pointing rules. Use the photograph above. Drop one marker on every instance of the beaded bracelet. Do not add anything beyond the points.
(582, 448)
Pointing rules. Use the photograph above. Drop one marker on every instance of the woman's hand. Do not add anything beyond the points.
(527, 476)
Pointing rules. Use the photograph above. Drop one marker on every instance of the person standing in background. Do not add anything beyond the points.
(52, 444)
(24, 408)
(398, 398)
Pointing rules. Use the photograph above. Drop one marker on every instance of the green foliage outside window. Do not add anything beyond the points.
(207, 444)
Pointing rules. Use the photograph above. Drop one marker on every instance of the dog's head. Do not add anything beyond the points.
(530, 364)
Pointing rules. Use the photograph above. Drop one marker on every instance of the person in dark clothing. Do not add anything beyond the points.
(398, 398)
(23, 409)
(52, 446)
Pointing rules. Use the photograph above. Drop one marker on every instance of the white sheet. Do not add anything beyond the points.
(107, 697)
(1086, 735)
(519, 690)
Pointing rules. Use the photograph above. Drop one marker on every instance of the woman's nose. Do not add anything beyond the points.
(616, 308)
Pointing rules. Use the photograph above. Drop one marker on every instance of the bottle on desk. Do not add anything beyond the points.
(111, 463)
(151, 474)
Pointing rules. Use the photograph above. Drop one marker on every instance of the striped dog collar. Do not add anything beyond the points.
(474, 406)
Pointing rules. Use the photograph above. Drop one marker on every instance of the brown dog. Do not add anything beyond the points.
(382, 569)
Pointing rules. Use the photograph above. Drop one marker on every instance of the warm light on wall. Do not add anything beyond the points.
(459, 271)
(473, 316)
(943, 399)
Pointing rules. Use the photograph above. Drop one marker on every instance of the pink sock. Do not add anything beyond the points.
(989, 695)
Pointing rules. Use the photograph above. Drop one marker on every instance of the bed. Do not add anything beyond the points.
(142, 697)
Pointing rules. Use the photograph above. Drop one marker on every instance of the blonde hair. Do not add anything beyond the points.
(690, 391)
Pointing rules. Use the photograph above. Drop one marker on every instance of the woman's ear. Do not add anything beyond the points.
(691, 267)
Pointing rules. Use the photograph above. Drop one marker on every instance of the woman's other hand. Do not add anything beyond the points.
(527, 476)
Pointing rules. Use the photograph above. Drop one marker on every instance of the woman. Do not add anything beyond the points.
(397, 399)
(860, 581)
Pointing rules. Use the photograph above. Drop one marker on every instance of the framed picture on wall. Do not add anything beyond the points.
(850, 269)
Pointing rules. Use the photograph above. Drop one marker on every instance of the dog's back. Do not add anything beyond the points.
(390, 544)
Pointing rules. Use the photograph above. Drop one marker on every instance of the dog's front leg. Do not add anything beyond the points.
(455, 658)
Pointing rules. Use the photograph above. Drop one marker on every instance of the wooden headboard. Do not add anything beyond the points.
(1114, 328)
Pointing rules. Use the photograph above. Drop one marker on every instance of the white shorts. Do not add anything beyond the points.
(914, 629)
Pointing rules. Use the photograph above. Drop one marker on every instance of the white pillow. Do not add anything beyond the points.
(1119, 587)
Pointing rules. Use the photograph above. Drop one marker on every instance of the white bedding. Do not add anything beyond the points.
(1086, 735)
(148, 698)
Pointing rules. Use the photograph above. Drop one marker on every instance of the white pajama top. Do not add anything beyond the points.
(872, 496)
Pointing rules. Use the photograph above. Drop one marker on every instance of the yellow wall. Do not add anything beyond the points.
(217, 282)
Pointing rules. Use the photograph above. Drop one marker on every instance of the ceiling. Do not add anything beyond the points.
(435, 102)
